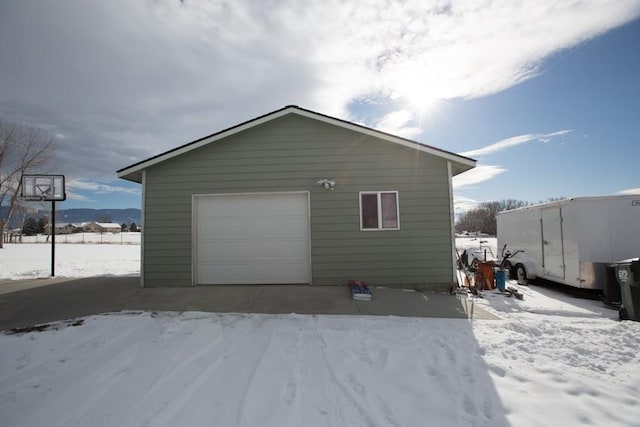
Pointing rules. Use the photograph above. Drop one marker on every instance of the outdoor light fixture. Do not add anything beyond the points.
(327, 183)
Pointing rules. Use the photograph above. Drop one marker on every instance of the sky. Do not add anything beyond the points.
(544, 94)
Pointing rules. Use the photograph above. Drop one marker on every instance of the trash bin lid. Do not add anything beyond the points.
(625, 261)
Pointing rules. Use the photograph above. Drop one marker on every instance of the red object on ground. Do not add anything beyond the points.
(354, 282)
(484, 276)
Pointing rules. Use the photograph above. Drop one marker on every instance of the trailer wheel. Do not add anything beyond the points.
(521, 274)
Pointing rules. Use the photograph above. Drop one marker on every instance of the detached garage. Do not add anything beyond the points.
(298, 197)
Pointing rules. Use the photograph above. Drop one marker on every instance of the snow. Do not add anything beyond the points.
(489, 243)
(558, 360)
(33, 260)
(551, 360)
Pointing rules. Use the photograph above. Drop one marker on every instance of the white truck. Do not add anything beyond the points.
(571, 241)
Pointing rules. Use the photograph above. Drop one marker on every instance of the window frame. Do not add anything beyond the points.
(378, 195)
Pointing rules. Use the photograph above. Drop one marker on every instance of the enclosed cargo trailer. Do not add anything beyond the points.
(572, 241)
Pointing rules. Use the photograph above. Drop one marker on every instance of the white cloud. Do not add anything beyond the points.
(476, 175)
(72, 195)
(463, 204)
(423, 51)
(97, 187)
(398, 123)
(631, 191)
(514, 141)
(126, 80)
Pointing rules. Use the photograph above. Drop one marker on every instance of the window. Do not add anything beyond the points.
(379, 210)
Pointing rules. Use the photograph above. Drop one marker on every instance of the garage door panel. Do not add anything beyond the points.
(239, 228)
(217, 251)
(268, 274)
(252, 238)
(259, 205)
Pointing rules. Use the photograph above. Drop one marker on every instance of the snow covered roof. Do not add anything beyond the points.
(108, 225)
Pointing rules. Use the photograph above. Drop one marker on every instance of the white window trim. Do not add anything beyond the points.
(379, 196)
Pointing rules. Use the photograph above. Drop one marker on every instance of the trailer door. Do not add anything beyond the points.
(552, 247)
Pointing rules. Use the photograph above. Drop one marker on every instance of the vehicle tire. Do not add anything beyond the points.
(521, 274)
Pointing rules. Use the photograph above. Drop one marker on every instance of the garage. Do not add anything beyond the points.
(252, 238)
(279, 199)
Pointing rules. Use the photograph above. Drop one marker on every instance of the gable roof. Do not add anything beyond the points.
(134, 172)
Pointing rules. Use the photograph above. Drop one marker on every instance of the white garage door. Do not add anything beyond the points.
(252, 238)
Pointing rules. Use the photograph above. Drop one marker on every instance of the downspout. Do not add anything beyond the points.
(144, 228)
(453, 228)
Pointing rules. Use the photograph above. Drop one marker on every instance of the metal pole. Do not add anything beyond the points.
(53, 238)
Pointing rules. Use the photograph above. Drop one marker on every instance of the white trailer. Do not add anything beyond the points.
(572, 241)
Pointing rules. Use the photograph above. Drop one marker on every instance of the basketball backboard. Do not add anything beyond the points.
(46, 188)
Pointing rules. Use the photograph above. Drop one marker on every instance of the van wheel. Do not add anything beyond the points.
(521, 274)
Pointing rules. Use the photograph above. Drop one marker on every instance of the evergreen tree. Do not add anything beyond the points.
(30, 227)
(42, 223)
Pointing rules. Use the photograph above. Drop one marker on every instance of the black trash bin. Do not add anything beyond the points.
(611, 292)
(628, 275)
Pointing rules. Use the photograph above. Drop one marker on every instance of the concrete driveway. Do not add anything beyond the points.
(33, 302)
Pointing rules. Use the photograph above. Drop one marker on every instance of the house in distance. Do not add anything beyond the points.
(298, 197)
(84, 227)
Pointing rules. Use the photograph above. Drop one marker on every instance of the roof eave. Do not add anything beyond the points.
(130, 175)
(458, 168)
(134, 172)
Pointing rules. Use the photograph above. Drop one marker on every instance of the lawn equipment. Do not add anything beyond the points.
(501, 273)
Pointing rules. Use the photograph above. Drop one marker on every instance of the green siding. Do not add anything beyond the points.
(290, 154)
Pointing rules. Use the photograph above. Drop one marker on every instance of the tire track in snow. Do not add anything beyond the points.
(73, 357)
(113, 374)
(290, 395)
(182, 372)
(322, 394)
(176, 370)
(171, 412)
(252, 373)
(341, 387)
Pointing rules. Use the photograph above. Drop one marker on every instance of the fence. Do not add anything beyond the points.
(80, 238)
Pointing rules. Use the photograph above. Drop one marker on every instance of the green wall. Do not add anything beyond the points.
(289, 154)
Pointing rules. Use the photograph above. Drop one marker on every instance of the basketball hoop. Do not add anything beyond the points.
(45, 188)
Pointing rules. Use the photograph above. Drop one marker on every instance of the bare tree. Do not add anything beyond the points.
(483, 218)
(23, 149)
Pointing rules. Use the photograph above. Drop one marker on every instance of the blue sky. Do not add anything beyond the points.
(592, 90)
(544, 94)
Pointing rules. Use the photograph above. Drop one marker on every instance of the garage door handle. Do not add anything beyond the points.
(546, 242)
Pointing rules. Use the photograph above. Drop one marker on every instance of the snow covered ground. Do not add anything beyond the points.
(551, 360)
(33, 260)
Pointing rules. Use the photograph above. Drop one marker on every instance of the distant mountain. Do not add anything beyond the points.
(84, 215)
